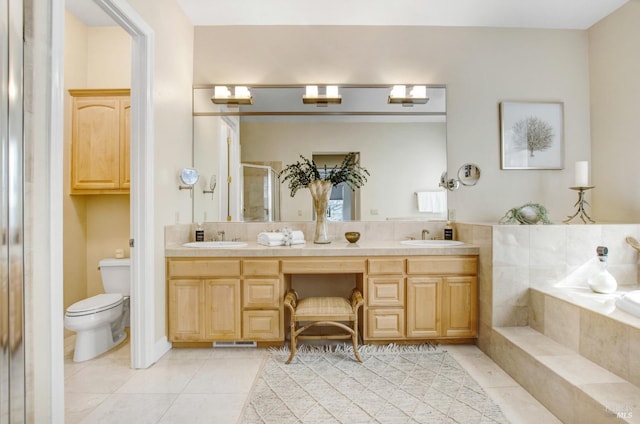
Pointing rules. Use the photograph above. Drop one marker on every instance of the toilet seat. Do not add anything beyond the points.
(94, 304)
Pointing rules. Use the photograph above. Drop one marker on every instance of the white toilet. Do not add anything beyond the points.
(100, 320)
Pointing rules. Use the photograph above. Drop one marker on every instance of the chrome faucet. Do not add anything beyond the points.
(221, 234)
(424, 234)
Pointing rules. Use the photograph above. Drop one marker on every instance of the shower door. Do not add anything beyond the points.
(260, 193)
(12, 362)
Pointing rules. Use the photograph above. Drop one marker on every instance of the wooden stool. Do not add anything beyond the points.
(324, 311)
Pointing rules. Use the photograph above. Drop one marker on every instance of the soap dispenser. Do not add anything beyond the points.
(199, 232)
(602, 281)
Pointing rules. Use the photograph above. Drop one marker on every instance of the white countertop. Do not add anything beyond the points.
(336, 248)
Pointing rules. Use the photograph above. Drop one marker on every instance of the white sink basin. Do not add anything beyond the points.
(215, 244)
(432, 243)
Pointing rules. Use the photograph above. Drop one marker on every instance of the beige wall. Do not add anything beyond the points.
(94, 58)
(108, 58)
(614, 67)
(173, 78)
(480, 66)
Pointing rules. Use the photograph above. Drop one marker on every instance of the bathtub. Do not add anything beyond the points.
(603, 304)
(630, 303)
(590, 324)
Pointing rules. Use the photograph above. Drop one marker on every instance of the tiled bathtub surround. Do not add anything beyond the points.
(582, 365)
(597, 331)
(542, 256)
(514, 258)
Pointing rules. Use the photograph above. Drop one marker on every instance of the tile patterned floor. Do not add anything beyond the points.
(212, 386)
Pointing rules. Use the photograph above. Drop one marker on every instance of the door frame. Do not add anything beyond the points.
(141, 168)
(141, 192)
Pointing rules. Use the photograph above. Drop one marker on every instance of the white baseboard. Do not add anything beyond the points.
(161, 347)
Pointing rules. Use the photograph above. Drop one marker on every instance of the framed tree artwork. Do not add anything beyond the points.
(532, 135)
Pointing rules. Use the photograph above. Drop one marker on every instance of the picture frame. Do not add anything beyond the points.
(532, 135)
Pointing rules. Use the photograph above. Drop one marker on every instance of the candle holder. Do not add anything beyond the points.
(581, 212)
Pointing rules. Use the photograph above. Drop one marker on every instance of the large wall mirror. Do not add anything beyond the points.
(242, 148)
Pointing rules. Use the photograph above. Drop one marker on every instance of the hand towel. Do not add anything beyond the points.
(432, 201)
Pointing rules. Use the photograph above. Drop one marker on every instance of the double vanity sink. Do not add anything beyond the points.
(236, 244)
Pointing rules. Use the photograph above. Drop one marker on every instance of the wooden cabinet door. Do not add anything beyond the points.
(459, 307)
(186, 310)
(222, 312)
(95, 154)
(423, 307)
(125, 140)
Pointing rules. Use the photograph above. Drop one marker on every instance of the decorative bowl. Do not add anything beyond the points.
(352, 236)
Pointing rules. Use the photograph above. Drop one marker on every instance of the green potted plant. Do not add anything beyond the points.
(305, 174)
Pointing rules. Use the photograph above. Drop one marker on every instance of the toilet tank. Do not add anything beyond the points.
(116, 277)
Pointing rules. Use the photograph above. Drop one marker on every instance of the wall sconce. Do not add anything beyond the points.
(417, 95)
(331, 96)
(241, 95)
(468, 175)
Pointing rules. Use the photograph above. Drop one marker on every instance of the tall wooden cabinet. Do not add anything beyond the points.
(100, 136)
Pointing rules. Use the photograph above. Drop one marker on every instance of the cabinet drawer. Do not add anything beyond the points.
(323, 266)
(260, 267)
(204, 268)
(261, 293)
(261, 325)
(439, 265)
(385, 291)
(385, 323)
(386, 266)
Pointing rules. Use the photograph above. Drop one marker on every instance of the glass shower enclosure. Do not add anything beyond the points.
(260, 193)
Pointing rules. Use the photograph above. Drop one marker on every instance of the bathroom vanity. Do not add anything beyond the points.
(412, 293)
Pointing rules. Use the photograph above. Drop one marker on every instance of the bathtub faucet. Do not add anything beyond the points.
(602, 252)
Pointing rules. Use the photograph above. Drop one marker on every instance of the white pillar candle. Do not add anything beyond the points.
(582, 174)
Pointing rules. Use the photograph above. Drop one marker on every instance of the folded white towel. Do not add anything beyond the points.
(285, 238)
(279, 243)
(279, 236)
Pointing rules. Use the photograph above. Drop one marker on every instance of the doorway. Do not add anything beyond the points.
(141, 191)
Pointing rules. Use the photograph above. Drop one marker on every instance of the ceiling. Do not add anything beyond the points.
(564, 14)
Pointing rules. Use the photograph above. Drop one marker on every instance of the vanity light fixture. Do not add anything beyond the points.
(330, 96)
(417, 95)
(241, 95)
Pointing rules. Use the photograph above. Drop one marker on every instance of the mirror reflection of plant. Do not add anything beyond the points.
(533, 134)
(302, 173)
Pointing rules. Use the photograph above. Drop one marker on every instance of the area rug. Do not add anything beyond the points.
(394, 384)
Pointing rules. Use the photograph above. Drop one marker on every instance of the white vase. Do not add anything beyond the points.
(321, 193)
